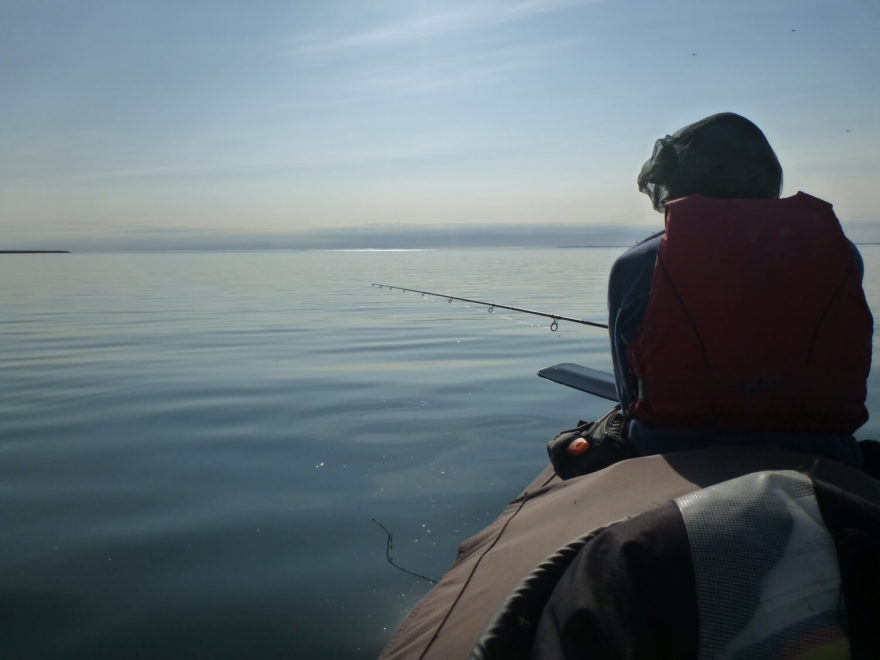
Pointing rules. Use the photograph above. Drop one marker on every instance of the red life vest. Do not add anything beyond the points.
(756, 320)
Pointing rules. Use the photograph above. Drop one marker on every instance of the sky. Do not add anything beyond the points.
(129, 123)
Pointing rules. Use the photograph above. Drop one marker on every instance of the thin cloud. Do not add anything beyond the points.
(465, 72)
(428, 26)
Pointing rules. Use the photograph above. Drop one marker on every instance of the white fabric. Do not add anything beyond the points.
(765, 566)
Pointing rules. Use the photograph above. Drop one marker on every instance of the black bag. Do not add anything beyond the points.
(870, 457)
(607, 445)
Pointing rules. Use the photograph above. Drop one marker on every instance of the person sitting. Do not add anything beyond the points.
(744, 322)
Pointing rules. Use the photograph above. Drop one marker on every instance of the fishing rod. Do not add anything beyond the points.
(554, 326)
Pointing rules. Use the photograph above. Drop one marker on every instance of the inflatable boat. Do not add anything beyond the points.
(780, 557)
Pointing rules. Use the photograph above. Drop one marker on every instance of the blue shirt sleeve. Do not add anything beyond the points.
(629, 288)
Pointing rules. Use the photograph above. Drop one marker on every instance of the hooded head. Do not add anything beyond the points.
(724, 155)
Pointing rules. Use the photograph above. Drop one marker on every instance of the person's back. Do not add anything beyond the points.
(719, 339)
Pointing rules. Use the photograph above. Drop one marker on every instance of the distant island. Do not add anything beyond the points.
(34, 251)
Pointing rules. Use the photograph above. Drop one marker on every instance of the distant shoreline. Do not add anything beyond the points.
(581, 247)
(34, 251)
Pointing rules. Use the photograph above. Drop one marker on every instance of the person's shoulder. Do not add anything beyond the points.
(646, 244)
(646, 249)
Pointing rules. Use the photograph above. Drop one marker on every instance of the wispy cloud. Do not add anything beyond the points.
(450, 73)
(430, 25)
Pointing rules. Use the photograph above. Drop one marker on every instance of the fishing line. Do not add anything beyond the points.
(391, 561)
(556, 318)
(519, 321)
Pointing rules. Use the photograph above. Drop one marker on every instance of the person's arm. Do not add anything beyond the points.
(629, 288)
(857, 260)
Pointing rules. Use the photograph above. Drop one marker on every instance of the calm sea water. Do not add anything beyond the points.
(193, 446)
